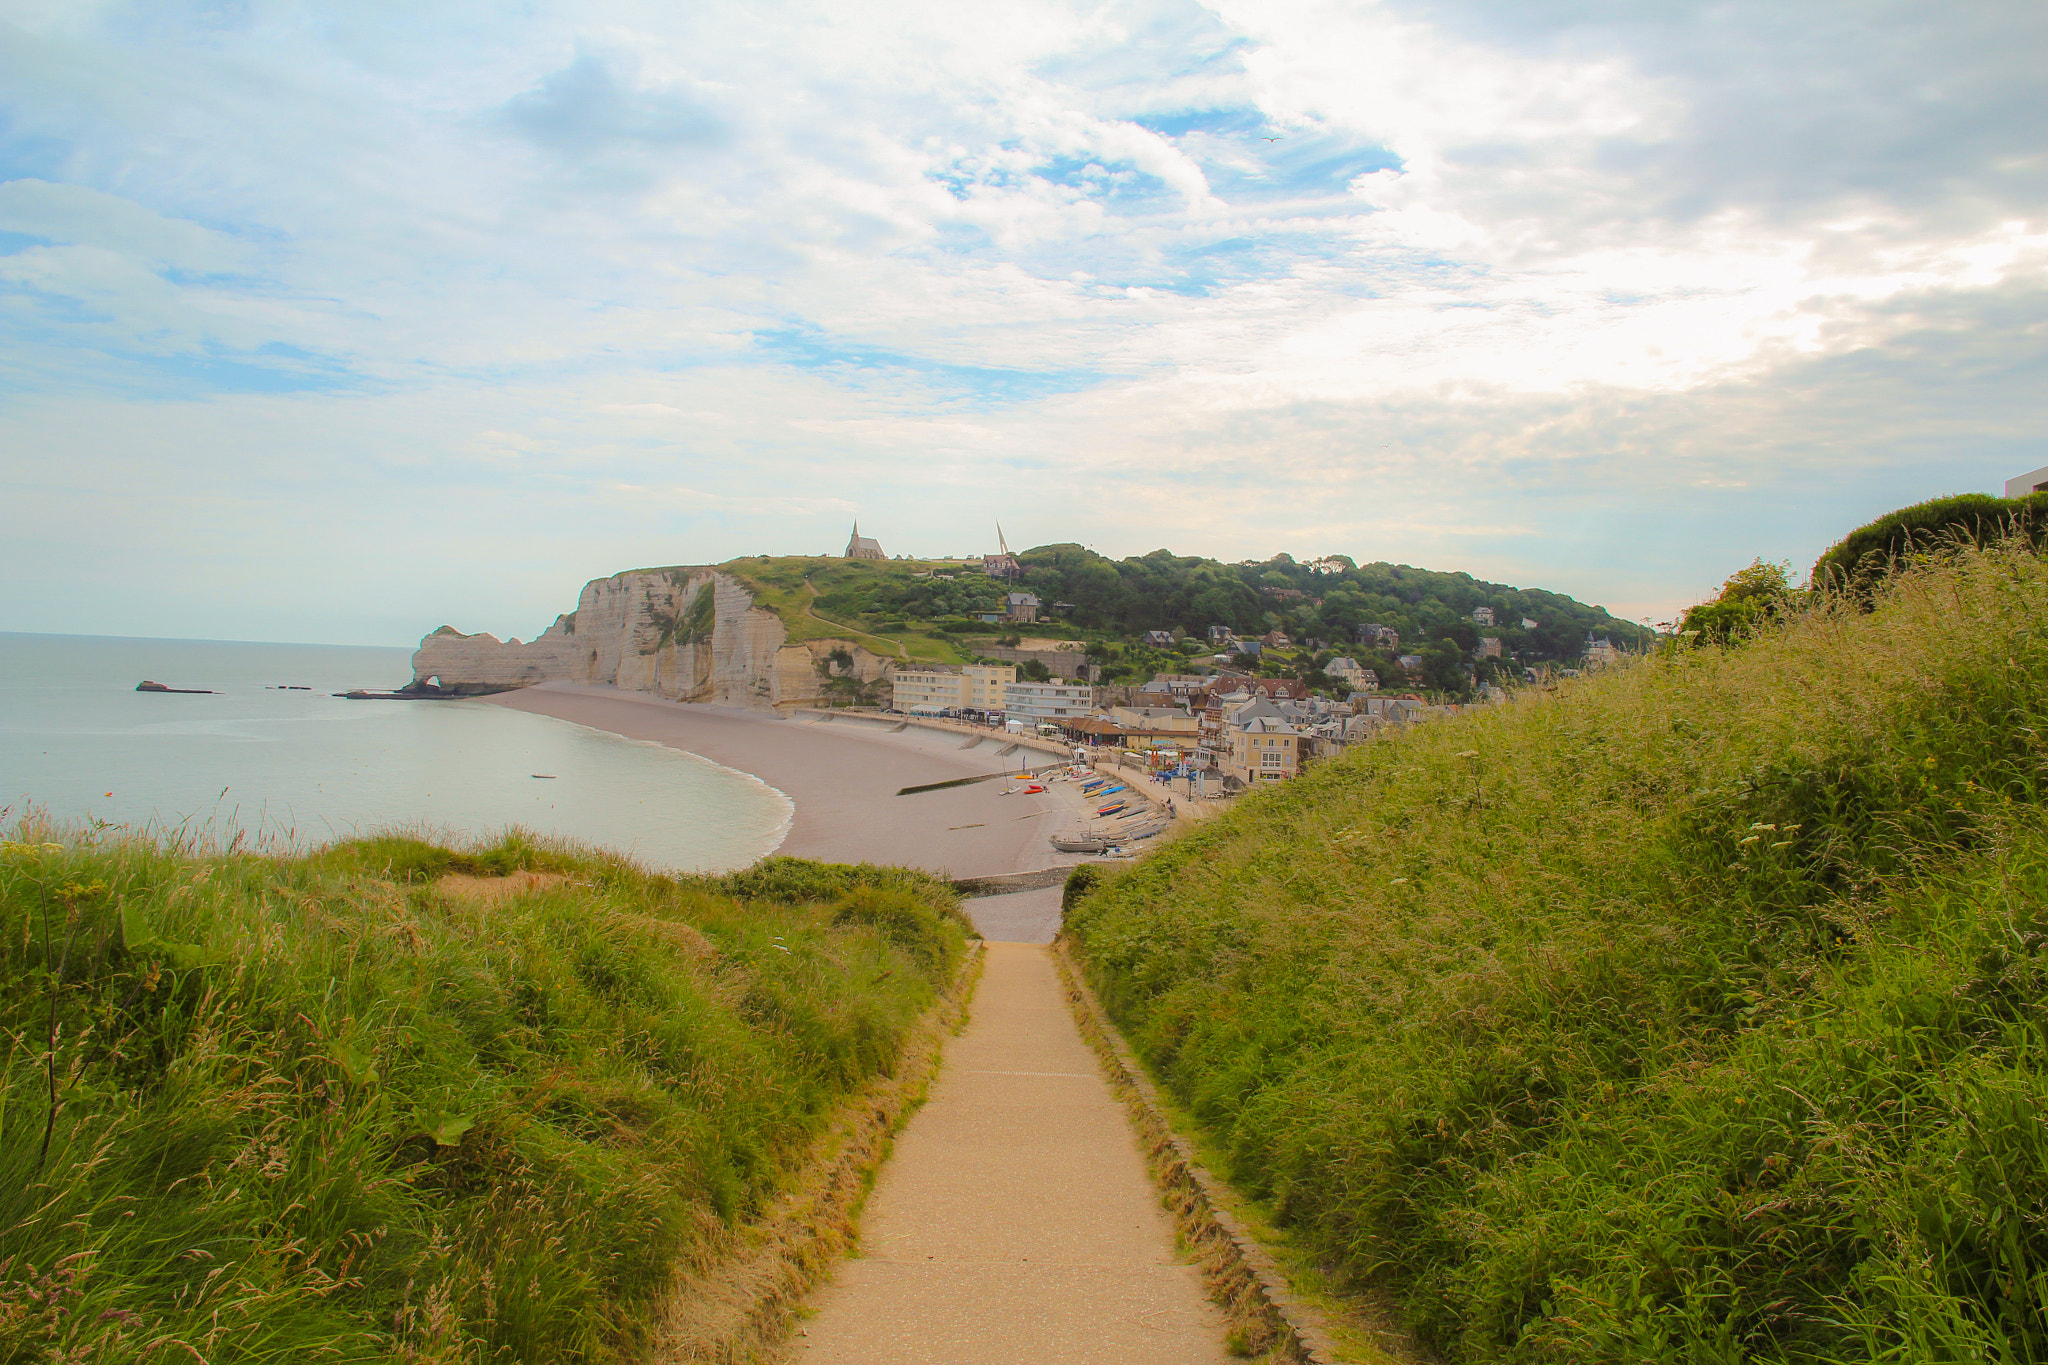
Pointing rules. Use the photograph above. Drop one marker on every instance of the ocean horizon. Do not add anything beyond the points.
(272, 759)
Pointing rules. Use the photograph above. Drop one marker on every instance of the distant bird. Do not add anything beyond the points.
(1272, 139)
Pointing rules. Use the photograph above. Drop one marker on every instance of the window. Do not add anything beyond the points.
(1272, 758)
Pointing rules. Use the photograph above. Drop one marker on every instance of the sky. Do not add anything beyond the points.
(338, 322)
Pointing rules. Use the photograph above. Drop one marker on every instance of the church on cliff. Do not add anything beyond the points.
(860, 547)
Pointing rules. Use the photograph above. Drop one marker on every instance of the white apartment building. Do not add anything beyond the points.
(932, 690)
(927, 691)
(1048, 701)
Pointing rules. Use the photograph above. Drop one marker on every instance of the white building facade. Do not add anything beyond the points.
(932, 691)
(1033, 701)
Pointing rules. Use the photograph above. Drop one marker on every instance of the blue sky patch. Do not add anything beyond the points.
(976, 384)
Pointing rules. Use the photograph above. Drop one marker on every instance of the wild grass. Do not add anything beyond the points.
(789, 586)
(334, 1106)
(1692, 1013)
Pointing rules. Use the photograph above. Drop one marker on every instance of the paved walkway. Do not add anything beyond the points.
(1015, 1223)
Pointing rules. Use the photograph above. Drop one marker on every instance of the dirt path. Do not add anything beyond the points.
(1015, 1224)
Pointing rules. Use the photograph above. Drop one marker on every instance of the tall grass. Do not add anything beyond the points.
(1694, 1013)
(335, 1106)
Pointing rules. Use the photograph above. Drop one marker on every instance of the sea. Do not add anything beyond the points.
(272, 756)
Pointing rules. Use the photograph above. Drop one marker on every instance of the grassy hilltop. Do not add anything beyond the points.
(382, 1102)
(1111, 605)
(1695, 1012)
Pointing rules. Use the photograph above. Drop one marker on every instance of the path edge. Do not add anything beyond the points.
(738, 1304)
(1242, 1275)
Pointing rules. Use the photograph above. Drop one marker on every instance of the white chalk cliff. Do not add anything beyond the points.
(690, 634)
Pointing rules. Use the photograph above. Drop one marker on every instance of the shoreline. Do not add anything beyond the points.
(842, 780)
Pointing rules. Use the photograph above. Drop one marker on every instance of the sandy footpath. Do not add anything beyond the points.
(843, 776)
(1015, 1224)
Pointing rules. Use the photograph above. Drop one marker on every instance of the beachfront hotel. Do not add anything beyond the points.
(933, 691)
(1048, 700)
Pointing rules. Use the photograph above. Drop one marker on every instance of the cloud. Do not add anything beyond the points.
(77, 214)
(1594, 294)
(585, 108)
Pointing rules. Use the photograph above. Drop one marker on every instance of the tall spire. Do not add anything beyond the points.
(1001, 544)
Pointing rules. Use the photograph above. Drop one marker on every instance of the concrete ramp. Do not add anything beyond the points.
(974, 743)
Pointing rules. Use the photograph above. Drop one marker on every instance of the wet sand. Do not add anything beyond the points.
(843, 776)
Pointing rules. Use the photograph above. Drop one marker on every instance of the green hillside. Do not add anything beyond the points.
(343, 1107)
(1164, 591)
(1694, 1012)
(930, 610)
(821, 599)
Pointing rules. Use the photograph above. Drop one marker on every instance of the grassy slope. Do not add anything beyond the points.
(778, 584)
(318, 1108)
(1694, 1013)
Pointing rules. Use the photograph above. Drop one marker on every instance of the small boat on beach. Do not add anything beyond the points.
(147, 685)
(545, 777)
(1078, 843)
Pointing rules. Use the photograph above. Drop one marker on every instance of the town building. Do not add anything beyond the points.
(1600, 653)
(1160, 639)
(1169, 719)
(1021, 607)
(861, 547)
(932, 691)
(986, 684)
(1293, 689)
(1343, 669)
(1527, 624)
(1002, 564)
(1177, 686)
(2035, 482)
(1394, 710)
(1030, 701)
(1373, 633)
(1260, 743)
(1221, 635)
(1482, 616)
(1489, 647)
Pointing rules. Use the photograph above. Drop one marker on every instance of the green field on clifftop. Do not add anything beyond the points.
(1695, 1012)
(790, 586)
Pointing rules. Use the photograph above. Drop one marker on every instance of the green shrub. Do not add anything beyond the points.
(1869, 552)
(1692, 1013)
(1083, 879)
(329, 1106)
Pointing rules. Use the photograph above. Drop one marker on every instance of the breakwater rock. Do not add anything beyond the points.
(687, 633)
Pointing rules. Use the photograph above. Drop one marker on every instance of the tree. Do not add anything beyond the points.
(1443, 668)
(1750, 597)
